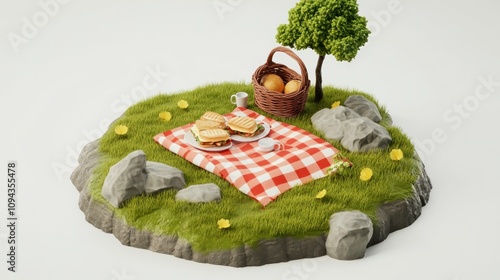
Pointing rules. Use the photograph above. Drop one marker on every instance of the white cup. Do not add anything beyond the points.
(268, 144)
(240, 99)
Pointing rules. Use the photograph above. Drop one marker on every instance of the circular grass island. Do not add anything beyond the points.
(293, 226)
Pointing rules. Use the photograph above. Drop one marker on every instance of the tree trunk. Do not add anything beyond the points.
(318, 91)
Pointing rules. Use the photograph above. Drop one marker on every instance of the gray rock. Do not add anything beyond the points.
(125, 179)
(350, 232)
(329, 121)
(356, 133)
(364, 135)
(363, 107)
(199, 193)
(161, 176)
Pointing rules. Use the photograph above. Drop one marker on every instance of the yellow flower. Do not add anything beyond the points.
(166, 116)
(335, 104)
(366, 174)
(223, 223)
(321, 194)
(396, 154)
(183, 104)
(121, 129)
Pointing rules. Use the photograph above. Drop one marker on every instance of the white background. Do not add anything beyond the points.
(83, 62)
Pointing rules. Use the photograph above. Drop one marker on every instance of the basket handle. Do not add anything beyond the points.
(290, 53)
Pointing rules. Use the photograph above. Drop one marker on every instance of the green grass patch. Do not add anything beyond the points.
(296, 213)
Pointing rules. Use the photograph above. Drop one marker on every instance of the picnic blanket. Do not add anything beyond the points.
(261, 175)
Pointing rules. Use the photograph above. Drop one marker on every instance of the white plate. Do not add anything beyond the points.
(189, 138)
(254, 138)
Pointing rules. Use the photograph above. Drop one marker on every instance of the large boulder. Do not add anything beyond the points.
(329, 121)
(161, 176)
(356, 133)
(133, 176)
(199, 193)
(363, 107)
(364, 135)
(125, 179)
(350, 232)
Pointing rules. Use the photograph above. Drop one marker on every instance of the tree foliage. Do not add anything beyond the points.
(326, 26)
(329, 27)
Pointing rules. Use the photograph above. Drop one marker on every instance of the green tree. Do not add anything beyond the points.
(328, 27)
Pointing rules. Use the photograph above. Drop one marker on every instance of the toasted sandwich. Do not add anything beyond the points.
(244, 126)
(206, 124)
(214, 137)
(212, 116)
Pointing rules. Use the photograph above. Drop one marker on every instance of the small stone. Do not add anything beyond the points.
(350, 232)
(125, 179)
(199, 193)
(162, 176)
(363, 107)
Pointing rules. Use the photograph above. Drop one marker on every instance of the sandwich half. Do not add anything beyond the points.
(212, 116)
(244, 126)
(215, 137)
(206, 124)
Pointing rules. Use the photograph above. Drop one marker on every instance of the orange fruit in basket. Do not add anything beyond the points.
(292, 86)
(273, 82)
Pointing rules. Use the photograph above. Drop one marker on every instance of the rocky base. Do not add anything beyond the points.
(391, 217)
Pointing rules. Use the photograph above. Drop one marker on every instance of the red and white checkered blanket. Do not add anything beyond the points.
(260, 175)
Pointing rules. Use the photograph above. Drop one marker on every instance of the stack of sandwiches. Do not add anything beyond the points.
(209, 130)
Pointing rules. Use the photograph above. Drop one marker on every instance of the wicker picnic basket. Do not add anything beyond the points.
(278, 103)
